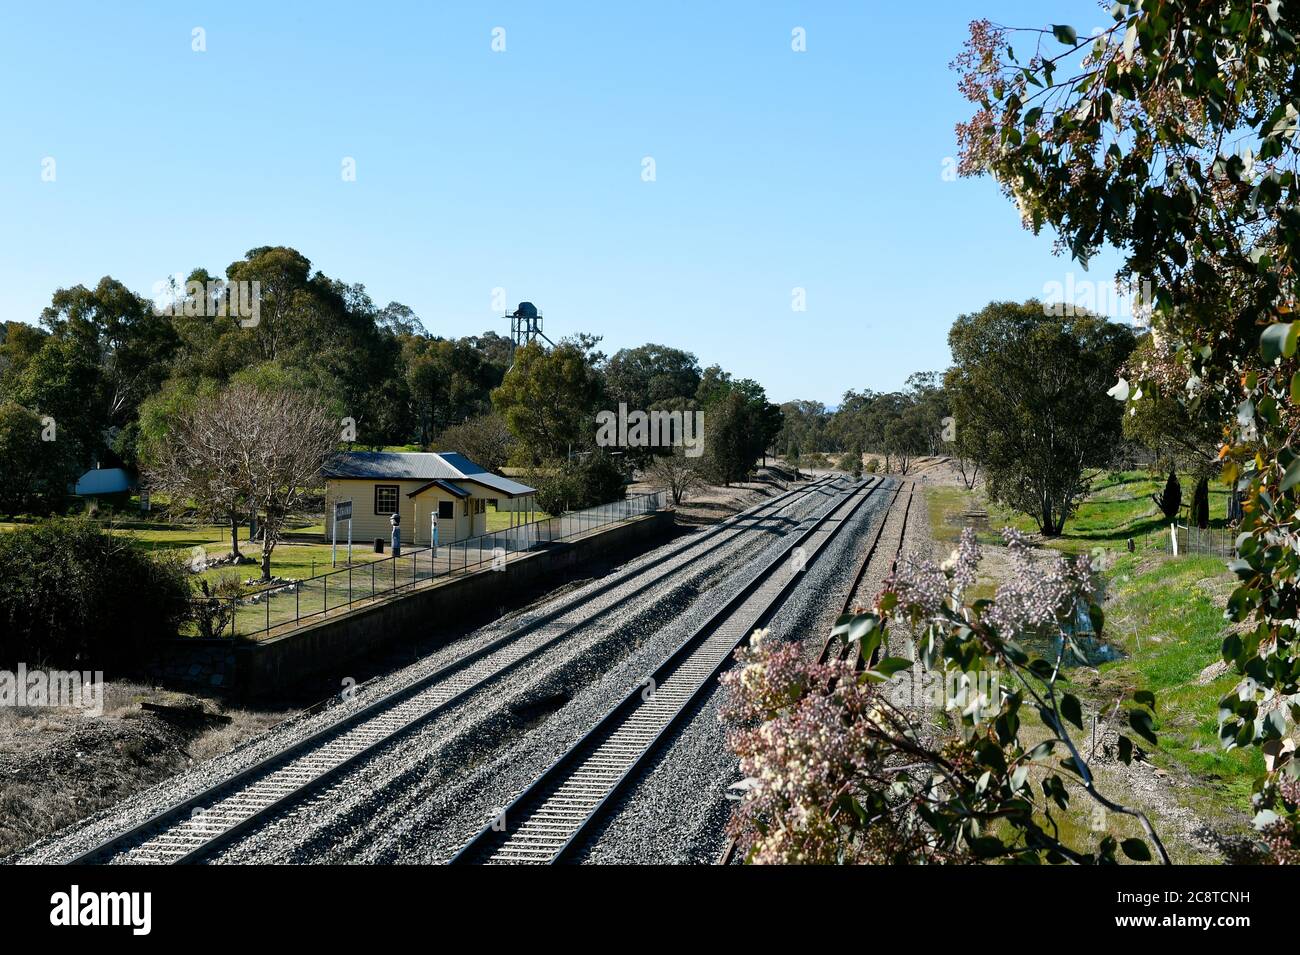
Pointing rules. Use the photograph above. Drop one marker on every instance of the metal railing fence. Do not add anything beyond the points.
(278, 604)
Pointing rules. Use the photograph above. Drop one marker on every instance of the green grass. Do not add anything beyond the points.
(290, 559)
(500, 520)
(1118, 507)
(1164, 614)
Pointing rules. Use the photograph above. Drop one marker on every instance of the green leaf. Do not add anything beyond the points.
(1073, 765)
(985, 847)
(1042, 750)
(1066, 34)
(1273, 726)
(1071, 709)
(1277, 340)
(861, 626)
(1143, 725)
(891, 665)
(1263, 818)
(1291, 477)
(1097, 617)
(1136, 850)
(1242, 568)
(1018, 777)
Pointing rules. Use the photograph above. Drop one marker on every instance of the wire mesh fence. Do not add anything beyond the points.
(1183, 539)
(278, 605)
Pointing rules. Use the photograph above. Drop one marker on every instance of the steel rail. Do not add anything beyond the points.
(562, 803)
(851, 596)
(196, 830)
(865, 565)
(729, 851)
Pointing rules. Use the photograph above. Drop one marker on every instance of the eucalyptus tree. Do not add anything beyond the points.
(549, 399)
(1029, 394)
(1170, 136)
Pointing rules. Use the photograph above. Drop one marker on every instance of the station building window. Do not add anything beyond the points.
(386, 498)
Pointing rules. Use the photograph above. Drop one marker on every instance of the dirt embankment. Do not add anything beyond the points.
(61, 765)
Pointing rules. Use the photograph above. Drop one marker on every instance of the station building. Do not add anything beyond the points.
(416, 487)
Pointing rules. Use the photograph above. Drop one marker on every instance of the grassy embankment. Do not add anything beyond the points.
(291, 559)
(1164, 614)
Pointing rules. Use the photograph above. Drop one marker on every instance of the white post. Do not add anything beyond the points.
(334, 546)
(349, 541)
(1173, 536)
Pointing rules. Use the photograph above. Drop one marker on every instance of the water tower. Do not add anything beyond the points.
(526, 325)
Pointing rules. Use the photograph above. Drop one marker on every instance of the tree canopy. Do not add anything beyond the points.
(1170, 136)
(117, 373)
(1028, 392)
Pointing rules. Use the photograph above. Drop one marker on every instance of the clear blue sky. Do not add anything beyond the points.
(523, 169)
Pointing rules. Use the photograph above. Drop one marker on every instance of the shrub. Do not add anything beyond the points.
(837, 773)
(73, 594)
(677, 473)
(596, 478)
(1170, 500)
(213, 609)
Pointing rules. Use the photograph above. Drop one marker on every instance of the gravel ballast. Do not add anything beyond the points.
(676, 812)
(423, 794)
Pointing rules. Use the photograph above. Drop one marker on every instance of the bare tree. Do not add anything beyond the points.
(677, 473)
(198, 462)
(251, 448)
(289, 436)
(970, 470)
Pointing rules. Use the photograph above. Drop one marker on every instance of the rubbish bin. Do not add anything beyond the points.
(379, 545)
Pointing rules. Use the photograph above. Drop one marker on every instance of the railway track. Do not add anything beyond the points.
(834, 647)
(546, 821)
(218, 815)
(837, 648)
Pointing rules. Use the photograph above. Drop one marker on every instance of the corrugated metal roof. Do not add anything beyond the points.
(411, 466)
(388, 464)
(103, 481)
(455, 490)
